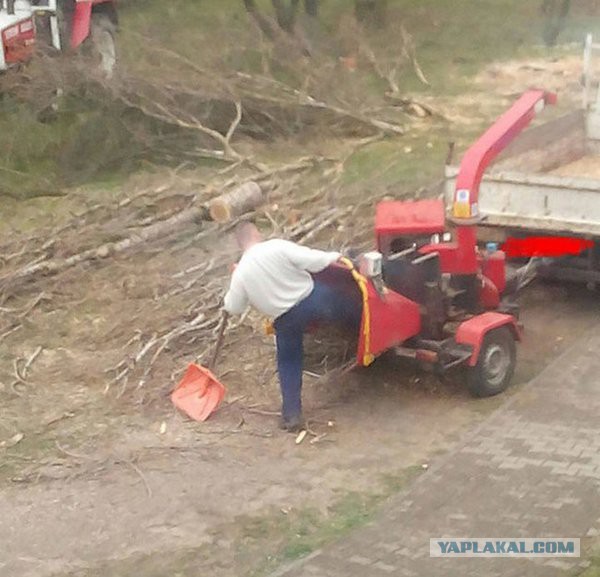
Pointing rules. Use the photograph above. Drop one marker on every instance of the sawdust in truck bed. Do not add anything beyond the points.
(585, 166)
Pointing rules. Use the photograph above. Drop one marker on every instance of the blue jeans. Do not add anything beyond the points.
(323, 304)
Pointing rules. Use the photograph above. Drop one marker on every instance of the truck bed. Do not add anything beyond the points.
(585, 167)
(547, 181)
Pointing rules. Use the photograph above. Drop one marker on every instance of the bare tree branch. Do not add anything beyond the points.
(286, 15)
(155, 109)
(265, 24)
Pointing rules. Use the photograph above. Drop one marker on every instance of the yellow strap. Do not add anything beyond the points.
(268, 327)
(361, 281)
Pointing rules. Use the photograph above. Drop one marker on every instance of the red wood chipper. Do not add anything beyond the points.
(429, 292)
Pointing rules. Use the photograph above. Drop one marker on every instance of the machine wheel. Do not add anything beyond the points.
(495, 365)
(101, 46)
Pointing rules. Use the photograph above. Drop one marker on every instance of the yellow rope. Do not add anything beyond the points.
(361, 281)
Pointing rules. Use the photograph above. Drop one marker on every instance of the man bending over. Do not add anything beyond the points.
(274, 276)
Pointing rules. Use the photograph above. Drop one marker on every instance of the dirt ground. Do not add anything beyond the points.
(107, 479)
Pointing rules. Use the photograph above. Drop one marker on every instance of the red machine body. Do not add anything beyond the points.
(18, 41)
(382, 329)
(61, 24)
(472, 332)
(445, 301)
(412, 220)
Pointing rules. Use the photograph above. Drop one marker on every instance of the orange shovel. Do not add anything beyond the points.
(199, 392)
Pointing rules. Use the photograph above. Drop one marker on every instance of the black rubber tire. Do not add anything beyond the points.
(101, 46)
(496, 364)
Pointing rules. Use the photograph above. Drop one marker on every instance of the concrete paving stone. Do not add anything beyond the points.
(385, 567)
(570, 452)
(515, 466)
(556, 464)
(557, 472)
(499, 478)
(475, 450)
(570, 500)
(530, 461)
(406, 572)
(593, 474)
(549, 505)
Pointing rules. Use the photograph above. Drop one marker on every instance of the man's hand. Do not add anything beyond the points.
(345, 261)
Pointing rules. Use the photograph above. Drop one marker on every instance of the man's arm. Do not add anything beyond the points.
(310, 259)
(236, 299)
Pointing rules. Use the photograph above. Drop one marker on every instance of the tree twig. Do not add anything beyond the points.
(31, 360)
(141, 476)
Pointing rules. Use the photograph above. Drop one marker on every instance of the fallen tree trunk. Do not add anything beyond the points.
(222, 209)
(48, 267)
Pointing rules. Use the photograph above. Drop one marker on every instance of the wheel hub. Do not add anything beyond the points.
(495, 363)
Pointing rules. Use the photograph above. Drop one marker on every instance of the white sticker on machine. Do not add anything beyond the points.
(462, 195)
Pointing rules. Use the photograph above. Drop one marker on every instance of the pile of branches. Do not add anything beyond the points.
(254, 105)
(219, 104)
(169, 107)
(310, 215)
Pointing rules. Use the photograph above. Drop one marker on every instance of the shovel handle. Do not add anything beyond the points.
(219, 342)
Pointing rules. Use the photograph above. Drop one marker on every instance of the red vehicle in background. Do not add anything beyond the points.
(61, 24)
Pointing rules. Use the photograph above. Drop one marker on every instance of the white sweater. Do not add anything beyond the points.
(273, 276)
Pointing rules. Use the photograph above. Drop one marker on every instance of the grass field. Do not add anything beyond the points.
(92, 138)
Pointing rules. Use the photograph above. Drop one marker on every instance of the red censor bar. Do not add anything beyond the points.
(545, 246)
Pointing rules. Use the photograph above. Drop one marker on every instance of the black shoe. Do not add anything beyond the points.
(292, 424)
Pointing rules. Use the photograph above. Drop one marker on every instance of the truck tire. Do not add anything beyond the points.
(495, 365)
(101, 46)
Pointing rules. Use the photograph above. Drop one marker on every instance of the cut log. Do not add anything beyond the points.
(240, 200)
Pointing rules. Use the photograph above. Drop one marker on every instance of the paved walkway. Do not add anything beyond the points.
(531, 470)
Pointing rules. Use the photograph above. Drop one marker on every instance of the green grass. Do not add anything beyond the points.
(91, 140)
(593, 570)
(414, 161)
(47, 211)
(306, 530)
(592, 553)
(263, 542)
(27, 151)
(452, 39)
